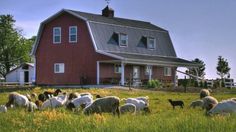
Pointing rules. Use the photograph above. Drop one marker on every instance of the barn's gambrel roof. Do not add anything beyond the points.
(102, 28)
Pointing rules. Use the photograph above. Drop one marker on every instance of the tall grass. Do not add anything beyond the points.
(161, 119)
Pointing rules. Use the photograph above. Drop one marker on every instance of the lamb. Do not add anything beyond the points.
(42, 97)
(31, 107)
(3, 108)
(128, 108)
(75, 103)
(197, 103)
(73, 95)
(109, 104)
(55, 102)
(50, 94)
(226, 106)
(17, 99)
(209, 102)
(204, 93)
(176, 103)
(145, 99)
(140, 104)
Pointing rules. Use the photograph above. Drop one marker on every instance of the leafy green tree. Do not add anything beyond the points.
(222, 67)
(200, 71)
(14, 48)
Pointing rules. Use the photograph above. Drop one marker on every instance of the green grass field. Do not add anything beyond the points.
(162, 117)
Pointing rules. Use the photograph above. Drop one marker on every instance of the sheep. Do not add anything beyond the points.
(50, 94)
(42, 97)
(140, 104)
(128, 107)
(98, 96)
(73, 95)
(176, 103)
(17, 99)
(209, 102)
(107, 104)
(39, 103)
(55, 102)
(31, 107)
(204, 93)
(3, 108)
(75, 103)
(197, 103)
(145, 99)
(226, 106)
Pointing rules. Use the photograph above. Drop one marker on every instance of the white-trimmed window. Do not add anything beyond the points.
(167, 71)
(123, 40)
(59, 68)
(57, 35)
(73, 34)
(151, 43)
(117, 68)
(148, 69)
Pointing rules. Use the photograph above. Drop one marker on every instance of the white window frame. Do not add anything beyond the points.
(167, 71)
(54, 35)
(76, 34)
(148, 68)
(148, 44)
(117, 68)
(120, 41)
(61, 67)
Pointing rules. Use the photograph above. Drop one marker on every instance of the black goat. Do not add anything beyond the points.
(176, 103)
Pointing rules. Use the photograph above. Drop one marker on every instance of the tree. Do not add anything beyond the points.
(200, 71)
(222, 67)
(14, 48)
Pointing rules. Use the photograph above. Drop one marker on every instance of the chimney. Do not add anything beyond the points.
(108, 12)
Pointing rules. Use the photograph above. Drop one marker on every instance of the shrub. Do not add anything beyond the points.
(153, 84)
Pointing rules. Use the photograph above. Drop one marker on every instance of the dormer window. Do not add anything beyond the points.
(123, 40)
(57, 35)
(151, 43)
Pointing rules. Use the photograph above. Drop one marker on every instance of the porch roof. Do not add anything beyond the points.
(155, 60)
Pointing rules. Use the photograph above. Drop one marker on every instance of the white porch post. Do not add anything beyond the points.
(150, 72)
(196, 70)
(122, 74)
(175, 79)
(98, 72)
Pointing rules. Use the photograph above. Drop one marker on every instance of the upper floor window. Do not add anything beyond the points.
(167, 71)
(59, 68)
(56, 35)
(151, 43)
(117, 68)
(73, 34)
(123, 39)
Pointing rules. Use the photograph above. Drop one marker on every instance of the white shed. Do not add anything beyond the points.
(22, 74)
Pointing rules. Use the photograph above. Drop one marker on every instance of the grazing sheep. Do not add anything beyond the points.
(107, 104)
(39, 103)
(204, 93)
(140, 104)
(128, 108)
(31, 107)
(197, 103)
(17, 99)
(75, 103)
(50, 94)
(73, 95)
(54, 102)
(209, 102)
(42, 97)
(176, 103)
(226, 106)
(145, 99)
(3, 108)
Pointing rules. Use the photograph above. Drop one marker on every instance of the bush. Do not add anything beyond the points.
(153, 84)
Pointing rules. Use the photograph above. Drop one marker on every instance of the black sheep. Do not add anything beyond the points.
(176, 103)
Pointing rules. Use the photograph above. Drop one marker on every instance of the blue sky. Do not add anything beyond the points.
(201, 29)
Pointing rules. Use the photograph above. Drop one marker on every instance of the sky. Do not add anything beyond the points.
(203, 29)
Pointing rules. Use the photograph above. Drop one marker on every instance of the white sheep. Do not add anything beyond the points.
(226, 106)
(17, 99)
(204, 93)
(3, 108)
(75, 103)
(209, 102)
(109, 104)
(128, 108)
(197, 103)
(54, 102)
(145, 99)
(32, 106)
(140, 104)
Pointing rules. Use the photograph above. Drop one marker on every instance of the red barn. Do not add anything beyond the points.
(74, 48)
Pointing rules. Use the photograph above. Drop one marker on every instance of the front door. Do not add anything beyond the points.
(136, 72)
